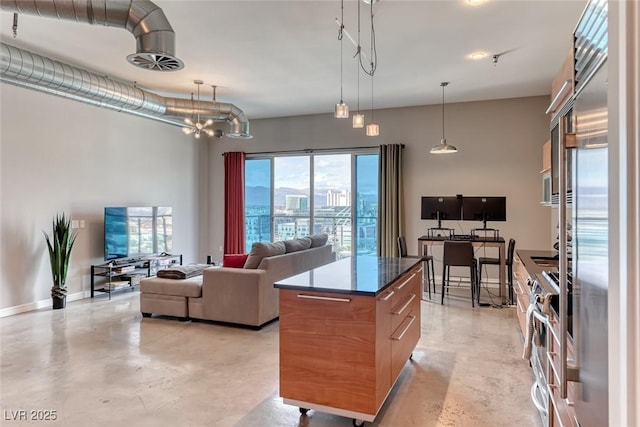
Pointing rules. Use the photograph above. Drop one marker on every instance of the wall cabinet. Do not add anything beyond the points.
(562, 85)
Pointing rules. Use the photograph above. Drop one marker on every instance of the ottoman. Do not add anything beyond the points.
(168, 297)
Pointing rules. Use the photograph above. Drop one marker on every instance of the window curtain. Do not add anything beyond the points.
(234, 203)
(390, 200)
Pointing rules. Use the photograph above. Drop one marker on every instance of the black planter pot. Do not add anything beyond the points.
(59, 303)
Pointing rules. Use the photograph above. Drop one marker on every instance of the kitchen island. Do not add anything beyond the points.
(346, 331)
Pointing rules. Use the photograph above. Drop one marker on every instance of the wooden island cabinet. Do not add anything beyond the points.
(346, 331)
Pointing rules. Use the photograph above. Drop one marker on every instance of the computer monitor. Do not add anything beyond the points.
(484, 209)
(441, 208)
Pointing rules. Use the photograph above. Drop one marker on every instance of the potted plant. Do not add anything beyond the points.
(60, 244)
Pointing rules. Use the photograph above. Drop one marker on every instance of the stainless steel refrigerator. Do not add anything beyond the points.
(590, 230)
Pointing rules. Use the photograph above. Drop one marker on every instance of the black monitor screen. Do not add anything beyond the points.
(448, 207)
(484, 209)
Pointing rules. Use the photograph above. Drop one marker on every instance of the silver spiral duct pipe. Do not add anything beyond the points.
(32, 71)
(155, 39)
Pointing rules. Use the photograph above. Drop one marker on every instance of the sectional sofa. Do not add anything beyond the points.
(243, 296)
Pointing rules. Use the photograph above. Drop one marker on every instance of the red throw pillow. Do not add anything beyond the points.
(234, 260)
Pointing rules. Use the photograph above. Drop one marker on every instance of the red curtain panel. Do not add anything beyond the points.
(234, 202)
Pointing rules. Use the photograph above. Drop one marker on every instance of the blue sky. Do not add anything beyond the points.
(331, 171)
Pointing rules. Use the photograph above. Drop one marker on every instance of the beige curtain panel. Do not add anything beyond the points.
(390, 200)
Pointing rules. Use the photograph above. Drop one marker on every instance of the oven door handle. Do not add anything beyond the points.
(539, 405)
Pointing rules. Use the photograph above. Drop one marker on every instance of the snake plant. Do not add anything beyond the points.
(60, 244)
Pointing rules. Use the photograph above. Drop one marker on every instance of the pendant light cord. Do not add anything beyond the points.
(443, 85)
(340, 36)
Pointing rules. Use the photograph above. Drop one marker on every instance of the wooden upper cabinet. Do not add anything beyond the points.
(562, 84)
(546, 157)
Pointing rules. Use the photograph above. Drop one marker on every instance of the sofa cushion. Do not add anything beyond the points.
(318, 240)
(191, 287)
(261, 250)
(296, 245)
(234, 260)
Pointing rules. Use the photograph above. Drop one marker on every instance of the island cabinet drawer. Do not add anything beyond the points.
(326, 313)
(328, 350)
(405, 320)
(403, 341)
(405, 295)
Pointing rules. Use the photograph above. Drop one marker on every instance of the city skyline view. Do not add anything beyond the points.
(289, 210)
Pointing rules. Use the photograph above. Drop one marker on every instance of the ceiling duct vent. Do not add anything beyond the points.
(29, 70)
(156, 62)
(155, 39)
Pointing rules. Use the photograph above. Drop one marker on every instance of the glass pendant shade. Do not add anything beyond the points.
(373, 129)
(358, 120)
(341, 110)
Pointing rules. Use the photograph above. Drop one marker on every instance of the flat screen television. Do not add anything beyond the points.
(441, 208)
(484, 208)
(137, 231)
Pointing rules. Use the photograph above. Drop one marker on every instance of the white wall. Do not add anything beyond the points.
(63, 156)
(500, 153)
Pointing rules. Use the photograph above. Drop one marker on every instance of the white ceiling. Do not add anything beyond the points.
(282, 58)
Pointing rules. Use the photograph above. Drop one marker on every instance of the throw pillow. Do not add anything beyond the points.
(234, 260)
(261, 250)
(318, 240)
(296, 245)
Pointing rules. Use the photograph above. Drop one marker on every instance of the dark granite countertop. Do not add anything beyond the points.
(544, 257)
(360, 275)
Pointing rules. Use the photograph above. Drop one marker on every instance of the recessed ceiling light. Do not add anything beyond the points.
(478, 55)
(475, 2)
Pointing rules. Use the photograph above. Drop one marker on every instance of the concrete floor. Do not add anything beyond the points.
(99, 363)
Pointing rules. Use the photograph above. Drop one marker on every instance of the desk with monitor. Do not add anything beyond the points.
(428, 241)
(464, 208)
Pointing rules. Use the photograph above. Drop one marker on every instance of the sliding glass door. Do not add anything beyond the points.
(296, 195)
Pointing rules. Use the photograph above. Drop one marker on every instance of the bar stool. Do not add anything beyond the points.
(496, 261)
(428, 259)
(459, 254)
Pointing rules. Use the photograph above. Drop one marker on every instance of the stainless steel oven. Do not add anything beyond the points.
(540, 316)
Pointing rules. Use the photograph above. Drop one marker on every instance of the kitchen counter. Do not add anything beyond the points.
(360, 275)
(527, 265)
(537, 261)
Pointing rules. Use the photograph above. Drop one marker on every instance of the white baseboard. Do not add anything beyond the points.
(37, 305)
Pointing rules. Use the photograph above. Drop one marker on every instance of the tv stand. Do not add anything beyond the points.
(126, 273)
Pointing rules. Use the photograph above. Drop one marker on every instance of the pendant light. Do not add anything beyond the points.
(443, 147)
(358, 118)
(341, 110)
(197, 128)
(372, 128)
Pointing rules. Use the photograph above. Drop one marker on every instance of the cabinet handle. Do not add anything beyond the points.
(406, 304)
(388, 296)
(404, 331)
(324, 298)
(401, 285)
